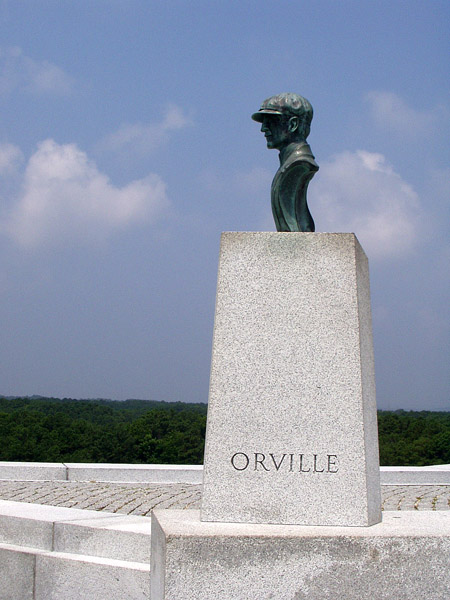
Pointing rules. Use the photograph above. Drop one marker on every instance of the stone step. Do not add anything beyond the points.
(75, 531)
(30, 573)
(55, 553)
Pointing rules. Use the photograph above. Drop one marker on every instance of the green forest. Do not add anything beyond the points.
(145, 431)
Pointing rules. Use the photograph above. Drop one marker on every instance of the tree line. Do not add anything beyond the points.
(414, 438)
(146, 431)
(133, 431)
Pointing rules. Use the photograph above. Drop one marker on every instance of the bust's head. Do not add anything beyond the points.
(285, 118)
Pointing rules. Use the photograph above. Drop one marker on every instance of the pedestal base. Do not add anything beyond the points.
(404, 557)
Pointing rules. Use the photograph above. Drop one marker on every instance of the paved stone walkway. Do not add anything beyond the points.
(123, 498)
(141, 498)
(415, 497)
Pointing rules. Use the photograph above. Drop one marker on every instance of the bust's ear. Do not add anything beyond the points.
(293, 124)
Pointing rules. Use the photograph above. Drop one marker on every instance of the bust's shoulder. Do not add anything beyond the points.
(297, 154)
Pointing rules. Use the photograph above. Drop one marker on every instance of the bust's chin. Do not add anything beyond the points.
(277, 144)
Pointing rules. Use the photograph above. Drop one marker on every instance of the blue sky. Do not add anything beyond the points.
(126, 147)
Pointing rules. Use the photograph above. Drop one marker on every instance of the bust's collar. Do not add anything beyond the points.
(289, 149)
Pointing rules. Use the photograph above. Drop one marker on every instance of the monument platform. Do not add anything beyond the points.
(406, 556)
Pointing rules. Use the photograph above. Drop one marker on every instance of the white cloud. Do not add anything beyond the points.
(65, 197)
(391, 112)
(359, 192)
(18, 71)
(10, 158)
(142, 138)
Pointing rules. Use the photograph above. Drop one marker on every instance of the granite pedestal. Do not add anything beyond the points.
(292, 427)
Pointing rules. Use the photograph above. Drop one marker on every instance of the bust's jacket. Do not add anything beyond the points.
(288, 193)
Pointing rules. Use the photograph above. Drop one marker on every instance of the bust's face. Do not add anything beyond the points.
(276, 131)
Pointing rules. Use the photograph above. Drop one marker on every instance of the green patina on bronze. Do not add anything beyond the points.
(286, 120)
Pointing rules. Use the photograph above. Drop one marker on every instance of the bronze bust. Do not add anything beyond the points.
(286, 120)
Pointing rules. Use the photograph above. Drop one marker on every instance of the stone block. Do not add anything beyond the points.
(26, 524)
(404, 557)
(432, 475)
(292, 427)
(71, 577)
(32, 471)
(134, 473)
(121, 537)
(76, 531)
(16, 573)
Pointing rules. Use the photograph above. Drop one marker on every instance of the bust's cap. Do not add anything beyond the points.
(267, 108)
(288, 104)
